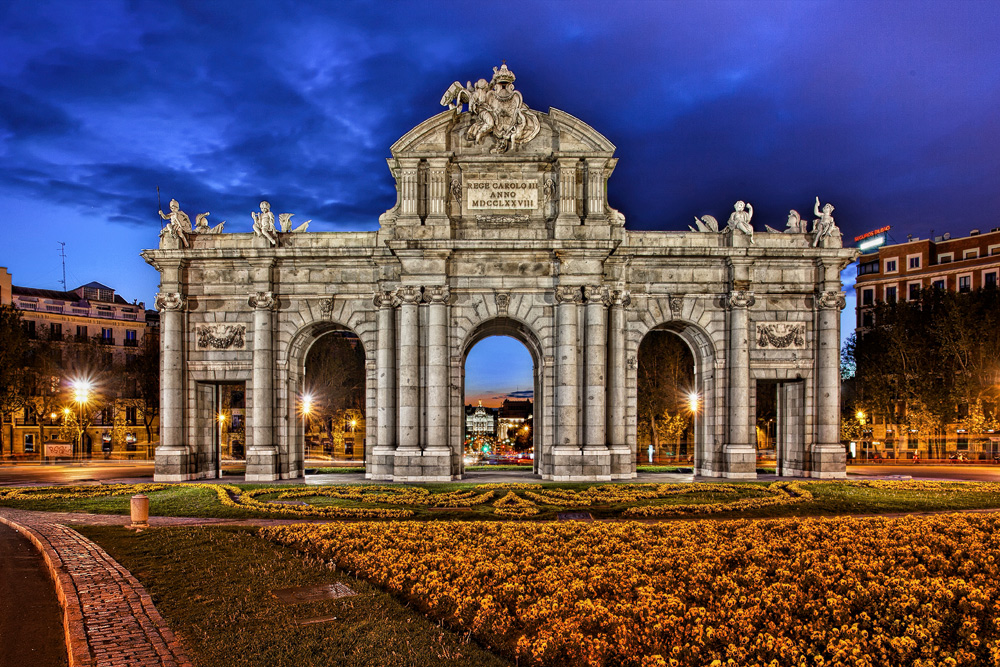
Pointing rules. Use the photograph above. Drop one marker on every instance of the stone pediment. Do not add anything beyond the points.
(478, 172)
(559, 132)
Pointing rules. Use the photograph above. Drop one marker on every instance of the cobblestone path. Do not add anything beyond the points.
(110, 620)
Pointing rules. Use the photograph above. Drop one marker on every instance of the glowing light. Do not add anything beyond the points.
(81, 391)
(222, 418)
(693, 401)
(307, 404)
(860, 415)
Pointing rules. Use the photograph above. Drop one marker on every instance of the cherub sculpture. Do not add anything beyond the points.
(263, 223)
(824, 226)
(178, 225)
(739, 219)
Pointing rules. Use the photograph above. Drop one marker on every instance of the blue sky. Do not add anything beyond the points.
(885, 109)
(498, 367)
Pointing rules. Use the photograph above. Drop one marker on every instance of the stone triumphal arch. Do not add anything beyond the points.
(501, 226)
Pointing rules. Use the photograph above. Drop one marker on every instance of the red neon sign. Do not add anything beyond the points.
(874, 232)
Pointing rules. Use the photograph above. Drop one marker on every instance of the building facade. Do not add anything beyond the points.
(899, 271)
(89, 313)
(502, 227)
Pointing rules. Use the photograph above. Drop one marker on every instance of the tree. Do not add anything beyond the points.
(13, 351)
(665, 381)
(524, 437)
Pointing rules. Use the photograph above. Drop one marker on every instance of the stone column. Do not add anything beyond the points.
(172, 455)
(597, 456)
(408, 190)
(385, 367)
(740, 451)
(407, 466)
(262, 454)
(829, 460)
(568, 217)
(595, 190)
(438, 191)
(437, 455)
(622, 461)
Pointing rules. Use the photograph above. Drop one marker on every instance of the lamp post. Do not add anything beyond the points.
(81, 396)
(222, 424)
(864, 443)
(306, 409)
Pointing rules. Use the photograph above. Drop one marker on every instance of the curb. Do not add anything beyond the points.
(76, 635)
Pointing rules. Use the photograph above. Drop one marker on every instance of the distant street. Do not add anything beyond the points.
(71, 473)
(959, 471)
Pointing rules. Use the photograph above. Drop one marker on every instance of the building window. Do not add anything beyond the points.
(939, 284)
(945, 258)
(131, 416)
(990, 279)
(994, 249)
(965, 283)
(130, 340)
(29, 443)
(29, 329)
(867, 297)
(868, 267)
(890, 266)
(971, 254)
(81, 333)
(913, 291)
(913, 261)
(866, 319)
(55, 331)
(890, 294)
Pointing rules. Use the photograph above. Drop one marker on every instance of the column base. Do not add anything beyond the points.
(172, 464)
(415, 465)
(829, 461)
(740, 461)
(572, 464)
(380, 464)
(622, 462)
(262, 465)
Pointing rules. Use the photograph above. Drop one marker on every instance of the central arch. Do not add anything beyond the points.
(521, 332)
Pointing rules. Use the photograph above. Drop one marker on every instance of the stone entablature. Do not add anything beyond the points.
(562, 275)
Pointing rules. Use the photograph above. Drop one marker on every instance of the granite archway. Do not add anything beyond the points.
(503, 218)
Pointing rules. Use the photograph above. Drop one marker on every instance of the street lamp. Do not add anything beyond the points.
(222, 425)
(305, 407)
(81, 396)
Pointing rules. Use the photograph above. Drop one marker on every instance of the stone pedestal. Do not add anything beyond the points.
(740, 462)
(421, 466)
(172, 465)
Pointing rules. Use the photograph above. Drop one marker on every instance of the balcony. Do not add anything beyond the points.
(107, 341)
(130, 342)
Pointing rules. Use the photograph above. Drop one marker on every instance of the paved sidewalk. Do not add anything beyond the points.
(108, 616)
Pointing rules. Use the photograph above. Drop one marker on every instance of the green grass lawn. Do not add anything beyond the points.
(830, 498)
(214, 587)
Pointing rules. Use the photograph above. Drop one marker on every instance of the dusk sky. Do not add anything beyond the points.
(886, 109)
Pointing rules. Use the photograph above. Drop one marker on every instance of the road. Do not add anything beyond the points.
(958, 471)
(96, 471)
(30, 616)
(73, 473)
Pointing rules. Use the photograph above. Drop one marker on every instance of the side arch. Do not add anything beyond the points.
(295, 353)
(708, 382)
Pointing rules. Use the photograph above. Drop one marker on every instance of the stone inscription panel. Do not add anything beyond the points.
(508, 194)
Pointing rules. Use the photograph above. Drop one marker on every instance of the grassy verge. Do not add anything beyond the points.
(829, 498)
(214, 587)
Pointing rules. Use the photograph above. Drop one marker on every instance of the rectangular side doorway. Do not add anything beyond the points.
(780, 420)
(221, 427)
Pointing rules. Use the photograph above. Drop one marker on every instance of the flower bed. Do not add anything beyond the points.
(914, 591)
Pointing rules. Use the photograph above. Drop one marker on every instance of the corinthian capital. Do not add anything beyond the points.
(437, 294)
(831, 300)
(408, 294)
(261, 300)
(621, 298)
(597, 294)
(384, 299)
(567, 294)
(741, 299)
(169, 301)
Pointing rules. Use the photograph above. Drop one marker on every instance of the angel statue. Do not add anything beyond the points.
(706, 224)
(739, 219)
(179, 225)
(201, 225)
(285, 220)
(823, 226)
(263, 223)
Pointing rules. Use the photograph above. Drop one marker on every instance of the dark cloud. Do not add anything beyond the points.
(888, 114)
